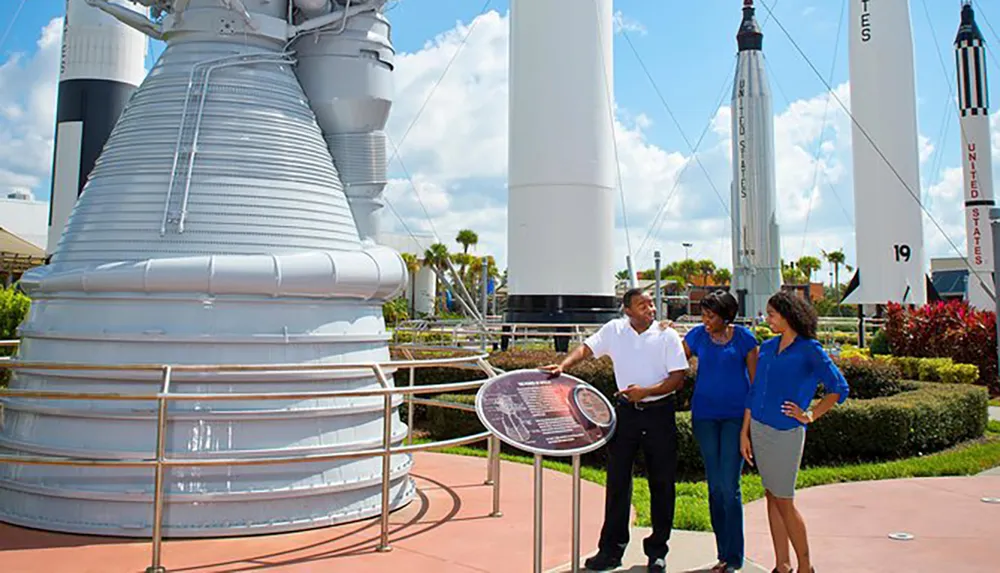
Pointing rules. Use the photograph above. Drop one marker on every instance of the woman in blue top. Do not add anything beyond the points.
(777, 412)
(727, 357)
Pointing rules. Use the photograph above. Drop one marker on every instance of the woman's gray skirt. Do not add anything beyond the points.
(777, 454)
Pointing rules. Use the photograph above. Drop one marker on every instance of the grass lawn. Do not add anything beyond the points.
(692, 497)
(995, 402)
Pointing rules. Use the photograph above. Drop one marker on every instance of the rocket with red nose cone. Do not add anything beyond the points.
(974, 107)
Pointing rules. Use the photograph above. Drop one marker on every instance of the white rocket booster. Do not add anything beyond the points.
(560, 213)
(888, 220)
(974, 107)
(756, 240)
(103, 62)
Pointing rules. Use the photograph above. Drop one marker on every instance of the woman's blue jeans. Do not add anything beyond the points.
(719, 441)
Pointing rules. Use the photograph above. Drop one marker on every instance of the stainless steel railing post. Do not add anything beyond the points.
(161, 440)
(164, 397)
(383, 545)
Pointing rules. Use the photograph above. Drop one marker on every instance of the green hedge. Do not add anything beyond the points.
(921, 419)
(868, 379)
(924, 418)
(934, 369)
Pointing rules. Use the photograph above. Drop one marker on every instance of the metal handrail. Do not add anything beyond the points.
(165, 396)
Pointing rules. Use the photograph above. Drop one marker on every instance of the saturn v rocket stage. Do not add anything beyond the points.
(229, 219)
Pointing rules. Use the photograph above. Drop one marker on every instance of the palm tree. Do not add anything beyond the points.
(687, 269)
(435, 257)
(792, 276)
(722, 277)
(475, 284)
(706, 267)
(412, 267)
(836, 258)
(467, 238)
(809, 265)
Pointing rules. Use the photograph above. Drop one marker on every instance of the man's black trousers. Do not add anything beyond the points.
(653, 427)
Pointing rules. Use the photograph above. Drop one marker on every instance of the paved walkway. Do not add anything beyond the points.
(849, 526)
(995, 413)
(446, 529)
(690, 552)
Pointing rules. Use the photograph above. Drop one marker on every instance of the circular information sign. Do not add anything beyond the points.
(552, 416)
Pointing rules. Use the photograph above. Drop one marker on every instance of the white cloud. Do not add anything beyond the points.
(27, 108)
(625, 24)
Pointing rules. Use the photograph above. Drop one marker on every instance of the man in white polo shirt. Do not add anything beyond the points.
(649, 363)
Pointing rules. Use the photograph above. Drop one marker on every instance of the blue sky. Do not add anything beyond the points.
(689, 49)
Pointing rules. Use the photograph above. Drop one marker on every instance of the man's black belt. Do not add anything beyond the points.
(665, 401)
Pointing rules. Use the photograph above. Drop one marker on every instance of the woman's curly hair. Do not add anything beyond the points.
(799, 314)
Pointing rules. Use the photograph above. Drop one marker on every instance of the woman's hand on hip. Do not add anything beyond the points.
(792, 410)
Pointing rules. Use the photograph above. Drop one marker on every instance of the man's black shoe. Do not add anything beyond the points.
(657, 565)
(602, 562)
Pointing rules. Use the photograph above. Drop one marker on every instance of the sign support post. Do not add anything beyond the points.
(547, 416)
(538, 514)
(575, 563)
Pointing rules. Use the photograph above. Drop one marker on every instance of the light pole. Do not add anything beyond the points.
(686, 247)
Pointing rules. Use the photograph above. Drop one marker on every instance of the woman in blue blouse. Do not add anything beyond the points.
(727, 356)
(778, 411)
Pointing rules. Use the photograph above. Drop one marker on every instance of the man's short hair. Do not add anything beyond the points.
(629, 295)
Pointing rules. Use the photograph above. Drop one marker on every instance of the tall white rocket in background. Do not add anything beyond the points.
(103, 62)
(756, 240)
(561, 179)
(888, 220)
(974, 107)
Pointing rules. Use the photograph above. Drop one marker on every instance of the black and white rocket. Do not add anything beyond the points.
(103, 62)
(756, 239)
(974, 107)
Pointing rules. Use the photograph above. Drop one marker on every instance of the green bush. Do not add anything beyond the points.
(448, 423)
(879, 343)
(437, 337)
(763, 333)
(868, 379)
(13, 309)
(959, 373)
(923, 418)
(934, 369)
(396, 311)
(929, 369)
(908, 365)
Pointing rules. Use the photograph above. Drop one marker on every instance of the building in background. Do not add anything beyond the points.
(950, 276)
(23, 234)
(421, 289)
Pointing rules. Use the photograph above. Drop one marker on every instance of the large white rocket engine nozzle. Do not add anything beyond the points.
(217, 228)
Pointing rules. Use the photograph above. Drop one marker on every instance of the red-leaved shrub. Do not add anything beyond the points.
(946, 330)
